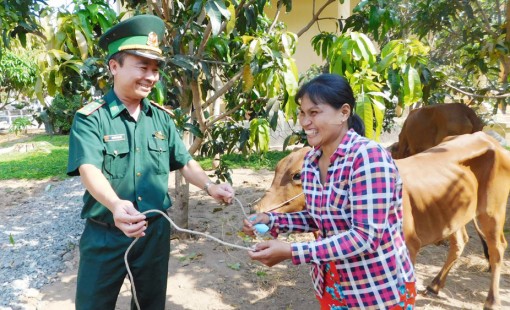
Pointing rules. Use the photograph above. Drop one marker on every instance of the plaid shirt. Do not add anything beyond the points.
(358, 215)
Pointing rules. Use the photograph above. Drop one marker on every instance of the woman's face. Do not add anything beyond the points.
(324, 126)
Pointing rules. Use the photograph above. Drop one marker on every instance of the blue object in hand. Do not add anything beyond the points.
(261, 228)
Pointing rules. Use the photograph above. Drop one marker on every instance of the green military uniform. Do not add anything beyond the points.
(136, 157)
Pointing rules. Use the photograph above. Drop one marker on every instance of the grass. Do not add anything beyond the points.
(52, 161)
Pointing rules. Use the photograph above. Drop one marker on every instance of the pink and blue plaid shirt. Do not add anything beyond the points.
(358, 215)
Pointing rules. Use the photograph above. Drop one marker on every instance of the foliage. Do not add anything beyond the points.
(391, 77)
(70, 62)
(469, 42)
(232, 51)
(17, 19)
(20, 124)
(61, 112)
(17, 75)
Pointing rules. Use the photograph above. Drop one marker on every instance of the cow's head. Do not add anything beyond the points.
(285, 193)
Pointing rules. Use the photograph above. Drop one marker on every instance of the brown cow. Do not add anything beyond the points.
(464, 178)
(428, 126)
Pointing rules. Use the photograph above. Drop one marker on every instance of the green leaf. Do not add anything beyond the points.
(259, 134)
(412, 86)
(214, 10)
(11, 239)
(365, 111)
(231, 24)
(253, 50)
(261, 274)
(82, 44)
(194, 130)
(234, 266)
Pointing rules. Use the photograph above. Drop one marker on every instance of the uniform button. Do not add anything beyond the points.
(139, 198)
(138, 174)
(138, 149)
(115, 152)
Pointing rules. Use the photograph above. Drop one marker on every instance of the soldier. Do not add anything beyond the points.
(123, 147)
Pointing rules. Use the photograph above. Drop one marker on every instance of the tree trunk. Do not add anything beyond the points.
(181, 205)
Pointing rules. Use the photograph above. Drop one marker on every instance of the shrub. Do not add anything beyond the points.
(61, 112)
(20, 124)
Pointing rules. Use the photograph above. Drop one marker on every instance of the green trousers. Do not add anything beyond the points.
(102, 269)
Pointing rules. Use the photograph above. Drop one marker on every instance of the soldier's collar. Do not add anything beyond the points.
(116, 106)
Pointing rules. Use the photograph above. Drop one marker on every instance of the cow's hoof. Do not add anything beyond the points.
(431, 291)
(491, 305)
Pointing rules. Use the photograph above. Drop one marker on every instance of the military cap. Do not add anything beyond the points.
(139, 35)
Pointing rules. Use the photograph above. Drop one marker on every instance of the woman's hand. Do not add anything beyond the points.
(271, 252)
(259, 218)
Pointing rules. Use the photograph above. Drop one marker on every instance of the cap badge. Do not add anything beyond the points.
(152, 39)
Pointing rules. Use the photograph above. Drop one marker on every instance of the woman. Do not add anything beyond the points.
(353, 199)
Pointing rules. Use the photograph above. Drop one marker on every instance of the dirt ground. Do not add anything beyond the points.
(204, 274)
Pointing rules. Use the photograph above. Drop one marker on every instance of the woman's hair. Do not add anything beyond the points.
(334, 90)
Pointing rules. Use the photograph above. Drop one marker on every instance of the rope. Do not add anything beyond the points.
(183, 230)
(285, 202)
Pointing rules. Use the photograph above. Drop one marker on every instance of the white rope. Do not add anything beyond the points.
(285, 202)
(183, 230)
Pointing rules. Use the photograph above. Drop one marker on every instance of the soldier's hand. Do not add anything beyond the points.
(128, 219)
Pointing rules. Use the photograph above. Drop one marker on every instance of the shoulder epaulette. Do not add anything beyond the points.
(91, 107)
(162, 108)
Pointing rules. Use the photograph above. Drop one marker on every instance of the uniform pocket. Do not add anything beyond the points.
(158, 150)
(116, 159)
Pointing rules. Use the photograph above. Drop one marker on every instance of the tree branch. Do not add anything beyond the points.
(225, 114)
(486, 23)
(476, 95)
(224, 89)
(315, 17)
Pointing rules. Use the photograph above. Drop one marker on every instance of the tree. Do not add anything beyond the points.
(381, 79)
(17, 19)
(17, 74)
(230, 52)
(70, 61)
(469, 42)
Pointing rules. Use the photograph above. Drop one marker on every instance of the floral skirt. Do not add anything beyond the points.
(334, 299)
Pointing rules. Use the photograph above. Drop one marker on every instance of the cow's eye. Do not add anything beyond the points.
(296, 176)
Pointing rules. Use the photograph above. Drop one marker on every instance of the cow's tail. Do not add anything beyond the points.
(484, 242)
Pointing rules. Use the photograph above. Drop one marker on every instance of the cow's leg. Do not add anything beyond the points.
(458, 241)
(492, 228)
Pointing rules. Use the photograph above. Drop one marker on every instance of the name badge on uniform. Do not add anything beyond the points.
(159, 135)
(111, 138)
